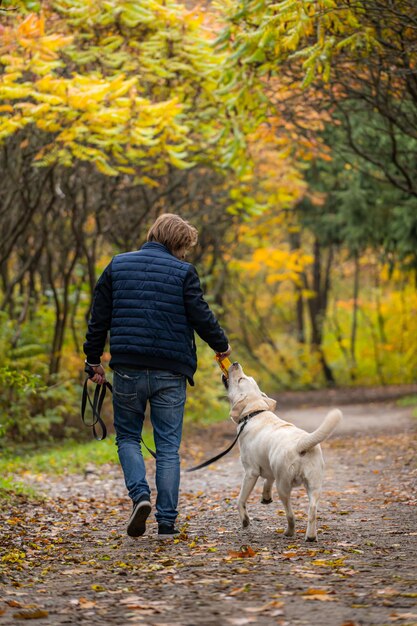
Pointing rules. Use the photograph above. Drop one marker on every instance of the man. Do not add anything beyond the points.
(151, 301)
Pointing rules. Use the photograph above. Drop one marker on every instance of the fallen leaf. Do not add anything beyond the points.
(131, 599)
(274, 604)
(30, 614)
(289, 555)
(144, 610)
(71, 572)
(87, 604)
(14, 556)
(329, 562)
(245, 552)
(137, 603)
(238, 590)
(389, 592)
(317, 594)
(395, 617)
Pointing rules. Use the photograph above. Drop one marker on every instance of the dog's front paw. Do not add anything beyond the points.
(311, 538)
(245, 521)
(266, 500)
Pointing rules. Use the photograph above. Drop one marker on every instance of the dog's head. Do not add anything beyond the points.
(245, 395)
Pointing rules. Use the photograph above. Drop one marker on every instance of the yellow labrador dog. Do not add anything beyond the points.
(276, 450)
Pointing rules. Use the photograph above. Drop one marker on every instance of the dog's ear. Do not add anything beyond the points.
(237, 407)
(272, 404)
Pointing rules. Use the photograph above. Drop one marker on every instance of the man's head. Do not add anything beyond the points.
(174, 233)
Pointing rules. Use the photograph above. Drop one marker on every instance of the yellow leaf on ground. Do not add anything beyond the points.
(317, 594)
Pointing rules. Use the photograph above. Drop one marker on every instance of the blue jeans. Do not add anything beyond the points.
(166, 393)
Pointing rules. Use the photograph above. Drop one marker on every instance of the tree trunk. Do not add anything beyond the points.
(317, 305)
(299, 309)
(354, 327)
(295, 244)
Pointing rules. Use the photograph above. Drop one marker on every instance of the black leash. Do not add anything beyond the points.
(96, 405)
(244, 421)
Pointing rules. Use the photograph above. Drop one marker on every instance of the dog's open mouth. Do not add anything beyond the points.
(225, 381)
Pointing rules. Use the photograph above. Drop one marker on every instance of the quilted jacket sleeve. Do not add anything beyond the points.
(100, 319)
(199, 314)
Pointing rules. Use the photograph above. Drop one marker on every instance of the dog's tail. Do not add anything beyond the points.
(309, 440)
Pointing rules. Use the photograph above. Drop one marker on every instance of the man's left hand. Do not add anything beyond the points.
(99, 375)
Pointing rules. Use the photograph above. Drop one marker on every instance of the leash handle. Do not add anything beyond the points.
(96, 406)
(89, 370)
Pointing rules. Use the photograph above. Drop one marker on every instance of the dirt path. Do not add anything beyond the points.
(69, 555)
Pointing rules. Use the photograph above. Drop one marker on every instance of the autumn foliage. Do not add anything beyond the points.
(130, 87)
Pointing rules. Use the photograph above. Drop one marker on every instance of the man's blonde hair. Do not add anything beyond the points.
(173, 232)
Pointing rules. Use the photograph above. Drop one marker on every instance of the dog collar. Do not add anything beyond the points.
(250, 415)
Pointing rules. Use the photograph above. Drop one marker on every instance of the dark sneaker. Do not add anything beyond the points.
(137, 522)
(165, 531)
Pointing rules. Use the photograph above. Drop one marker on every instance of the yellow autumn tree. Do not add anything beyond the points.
(129, 86)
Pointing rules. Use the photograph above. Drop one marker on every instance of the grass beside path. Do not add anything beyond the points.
(71, 457)
(67, 458)
(409, 401)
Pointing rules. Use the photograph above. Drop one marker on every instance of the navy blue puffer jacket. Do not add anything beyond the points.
(151, 302)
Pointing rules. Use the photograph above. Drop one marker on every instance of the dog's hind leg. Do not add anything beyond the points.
(285, 495)
(266, 491)
(249, 481)
(313, 498)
